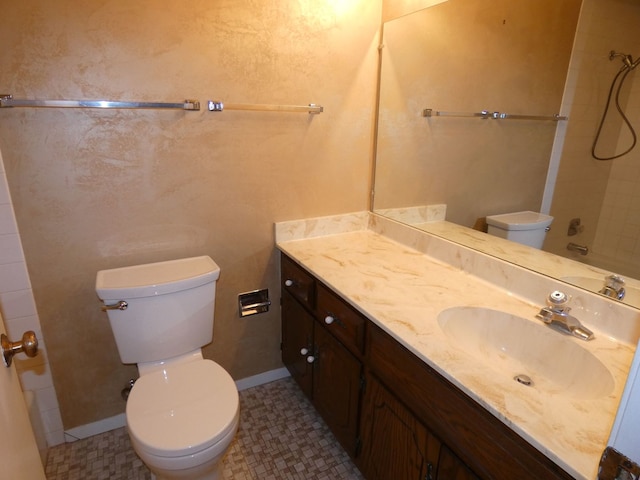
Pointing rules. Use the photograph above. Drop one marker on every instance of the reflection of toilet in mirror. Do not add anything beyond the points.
(528, 228)
(183, 411)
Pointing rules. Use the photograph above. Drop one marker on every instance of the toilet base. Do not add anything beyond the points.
(203, 473)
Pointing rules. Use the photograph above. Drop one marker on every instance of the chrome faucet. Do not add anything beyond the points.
(613, 287)
(556, 315)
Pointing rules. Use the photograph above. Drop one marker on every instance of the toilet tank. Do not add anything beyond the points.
(528, 228)
(169, 307)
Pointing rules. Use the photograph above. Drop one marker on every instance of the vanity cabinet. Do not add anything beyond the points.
(336, 388)
(394, 414)
(476, 444)
(322, 341)
(396, 444)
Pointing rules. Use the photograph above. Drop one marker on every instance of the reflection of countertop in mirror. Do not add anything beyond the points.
(382, 271)
(561, 268)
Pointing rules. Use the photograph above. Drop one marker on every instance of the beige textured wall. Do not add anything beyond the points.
(396, 8)
(504, 56)
(98, 189)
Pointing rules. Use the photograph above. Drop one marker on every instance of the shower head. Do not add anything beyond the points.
(627, 60)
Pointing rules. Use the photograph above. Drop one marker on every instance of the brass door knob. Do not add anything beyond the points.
(28, 345)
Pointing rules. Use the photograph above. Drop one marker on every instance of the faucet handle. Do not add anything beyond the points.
(558, 301)
(614, 281)
(613, 287)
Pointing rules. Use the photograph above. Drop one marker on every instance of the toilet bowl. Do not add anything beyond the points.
(182, 417)
(183, 412)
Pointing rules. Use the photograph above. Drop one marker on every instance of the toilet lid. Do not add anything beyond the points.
(182, 409)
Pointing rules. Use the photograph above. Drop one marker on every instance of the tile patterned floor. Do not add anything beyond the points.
(280, 437)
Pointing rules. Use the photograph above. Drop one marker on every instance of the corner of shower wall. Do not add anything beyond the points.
(578, 186)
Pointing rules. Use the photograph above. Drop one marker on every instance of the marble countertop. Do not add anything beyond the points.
(403, 290)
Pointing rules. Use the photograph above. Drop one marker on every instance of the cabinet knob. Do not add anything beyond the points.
(304, 351)
(288, 282)
(311, 359)
(329, 319)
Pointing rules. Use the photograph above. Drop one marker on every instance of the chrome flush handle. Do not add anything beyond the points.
(121, 305)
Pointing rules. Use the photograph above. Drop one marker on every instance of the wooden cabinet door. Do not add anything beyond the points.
(450, 467)
(336, 387)
(395, 445)
(297, 334)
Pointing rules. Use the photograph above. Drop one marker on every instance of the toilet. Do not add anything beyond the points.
(528, 228)
(183, 411)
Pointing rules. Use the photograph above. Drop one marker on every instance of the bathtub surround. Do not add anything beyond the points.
(98, 189)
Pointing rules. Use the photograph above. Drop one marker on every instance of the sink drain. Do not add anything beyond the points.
(523, 379)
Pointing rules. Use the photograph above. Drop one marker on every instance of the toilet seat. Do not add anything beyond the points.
(182, 408)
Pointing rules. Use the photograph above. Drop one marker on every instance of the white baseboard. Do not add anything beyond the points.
(262, 378)
(91, 429)
(118, 421)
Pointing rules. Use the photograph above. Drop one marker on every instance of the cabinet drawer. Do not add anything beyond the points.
(298, 282)
(346, 324)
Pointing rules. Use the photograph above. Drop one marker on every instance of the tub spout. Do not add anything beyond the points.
(574, 247)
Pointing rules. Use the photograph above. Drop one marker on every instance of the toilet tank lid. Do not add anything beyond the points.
(156, 278)
(526, 220)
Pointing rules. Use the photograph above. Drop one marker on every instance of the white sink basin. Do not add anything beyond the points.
(512, 346)
(631, 297)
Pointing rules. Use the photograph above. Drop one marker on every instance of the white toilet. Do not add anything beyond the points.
(183, 411)
(528, 228)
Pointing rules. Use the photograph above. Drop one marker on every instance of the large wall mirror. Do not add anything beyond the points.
(530, 60)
